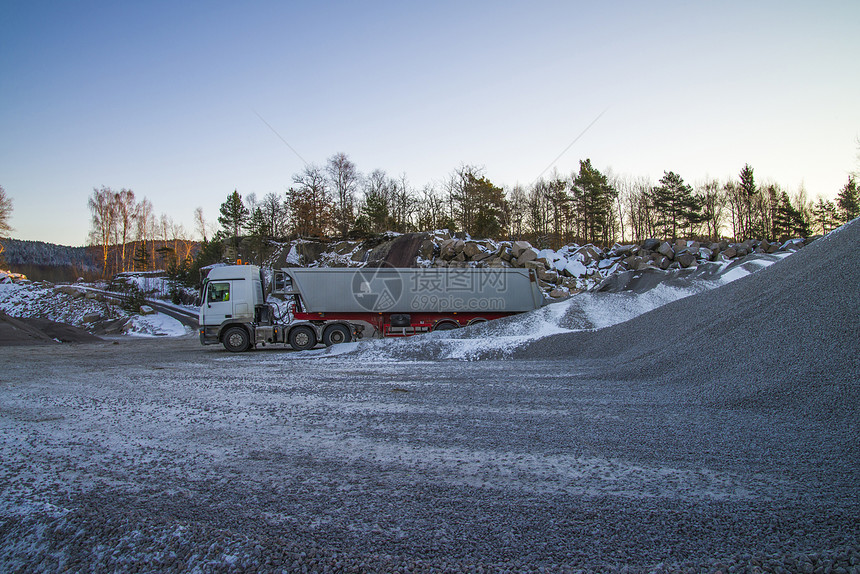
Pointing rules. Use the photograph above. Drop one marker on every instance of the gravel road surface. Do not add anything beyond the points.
(161, 455)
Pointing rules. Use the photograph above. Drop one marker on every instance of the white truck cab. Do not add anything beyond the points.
(232, 297)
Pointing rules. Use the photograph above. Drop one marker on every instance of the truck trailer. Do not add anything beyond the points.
(340, 305)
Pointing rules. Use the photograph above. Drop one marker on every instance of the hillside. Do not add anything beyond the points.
(50, 262)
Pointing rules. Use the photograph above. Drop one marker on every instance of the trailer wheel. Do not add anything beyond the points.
(446, 326)
(335, 334)
(477, 321)
(236, 340)
(303, 338)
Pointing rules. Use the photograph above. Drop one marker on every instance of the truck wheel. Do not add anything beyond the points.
(336, 334)
(236, 340)
(303, 338)
(477, 321)
(446, 326)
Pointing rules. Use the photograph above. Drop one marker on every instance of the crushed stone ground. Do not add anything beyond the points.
(161, 455)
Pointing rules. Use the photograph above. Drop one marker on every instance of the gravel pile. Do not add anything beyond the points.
(787, 336)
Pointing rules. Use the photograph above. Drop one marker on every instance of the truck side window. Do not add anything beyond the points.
(218, 292)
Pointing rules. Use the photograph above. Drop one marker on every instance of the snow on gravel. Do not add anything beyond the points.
(156, 325)
(162, 455)
(23, 298)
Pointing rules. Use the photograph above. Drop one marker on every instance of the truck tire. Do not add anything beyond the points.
(303, 338)
(236, 340)
(477, 321)
(335, 334)
(446, 326)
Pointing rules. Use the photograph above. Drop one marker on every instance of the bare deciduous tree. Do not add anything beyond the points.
(344, 179)
(126, 213)
(5, 214)
(102, 205)
(200, 224)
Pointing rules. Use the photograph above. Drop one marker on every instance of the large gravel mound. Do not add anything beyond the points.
(784, 336)
(35, 331)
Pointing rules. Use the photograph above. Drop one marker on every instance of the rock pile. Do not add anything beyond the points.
(561, 272)
(575, 268)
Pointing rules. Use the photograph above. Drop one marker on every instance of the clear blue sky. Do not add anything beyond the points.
(162, 97)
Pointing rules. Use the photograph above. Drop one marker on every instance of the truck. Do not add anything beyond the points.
(303, 307)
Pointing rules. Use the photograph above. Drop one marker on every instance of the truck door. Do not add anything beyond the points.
(219, 304)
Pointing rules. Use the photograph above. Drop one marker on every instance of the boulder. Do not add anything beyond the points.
(606, 263)
(548, 276)
(471, 248)
(587, 254)
(705, 254)
(651, 244)
(91, 318)
(343, 247)
(527, 254)
(70, 291)
(663, 262)
(680, 244)
(360, 254)
(447, 249)
(666, 250)
(506, 255)
(693, 246)
(518, 247)
(575, 269)
(623, 250)
(686, 259)
(426, 249)
(481, 256)
(729, 252)
(559, 293)
(146, 310)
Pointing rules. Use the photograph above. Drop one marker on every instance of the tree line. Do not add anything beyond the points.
(587, 206)
(337, 201)
(130, 237)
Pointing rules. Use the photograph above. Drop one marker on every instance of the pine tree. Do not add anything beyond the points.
(374, 211)
(748, 196)
(675, 206)
(593, 197)
(233, 216)
(489, 203)
(787, 220)
(826, 215)
(848, 201)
